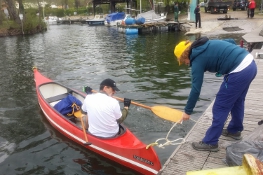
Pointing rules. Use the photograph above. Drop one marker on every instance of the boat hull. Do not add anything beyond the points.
(94, 22)
(125, 149)
(112, 23)
(114, 19)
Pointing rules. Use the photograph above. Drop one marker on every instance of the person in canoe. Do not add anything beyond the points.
(238, 67)
(103, 112)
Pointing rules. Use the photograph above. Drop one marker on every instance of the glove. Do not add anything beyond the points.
(127, 102)
(87, 89)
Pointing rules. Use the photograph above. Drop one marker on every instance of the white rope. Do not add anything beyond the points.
(169, 142)
(173, 142)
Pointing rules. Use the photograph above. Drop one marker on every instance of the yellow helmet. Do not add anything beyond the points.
(180, 48)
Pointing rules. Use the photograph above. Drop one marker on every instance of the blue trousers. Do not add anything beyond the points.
(230, 98)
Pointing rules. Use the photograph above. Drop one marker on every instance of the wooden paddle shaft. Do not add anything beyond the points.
(161, 111)
(132, 102)
(84, 130)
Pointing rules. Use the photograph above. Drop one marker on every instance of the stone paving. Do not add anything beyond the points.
(212, 26)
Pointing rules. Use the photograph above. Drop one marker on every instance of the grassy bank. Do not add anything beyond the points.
(30, 24)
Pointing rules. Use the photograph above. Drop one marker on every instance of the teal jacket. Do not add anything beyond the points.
(216, 56)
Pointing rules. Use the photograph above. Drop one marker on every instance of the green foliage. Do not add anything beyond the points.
(32, 22)
(89, 10)
(54, 12)
(64, 12)
(70, 12)
(82, 10)
(60, 12)
(120, 7)
(99, 10)
(102, 8)
(8, 24)
(258, 3)
(31, 11)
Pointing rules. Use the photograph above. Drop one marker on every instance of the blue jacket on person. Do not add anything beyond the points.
(216, 56)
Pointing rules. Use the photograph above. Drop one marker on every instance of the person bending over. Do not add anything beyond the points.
(238, 67)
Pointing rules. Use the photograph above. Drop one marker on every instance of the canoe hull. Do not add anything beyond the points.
(126, 149)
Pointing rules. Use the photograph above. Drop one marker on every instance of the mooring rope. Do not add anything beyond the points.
(175, 142)
(168, 142)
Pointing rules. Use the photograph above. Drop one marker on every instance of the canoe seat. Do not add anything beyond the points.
(56, 98)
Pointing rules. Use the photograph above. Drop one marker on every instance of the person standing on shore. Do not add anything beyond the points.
(247, 6)
(176, 12)
(197, 16)
(224, 58)
(251, 8)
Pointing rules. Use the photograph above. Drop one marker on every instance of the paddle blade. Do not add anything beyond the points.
(78, 114)
(167, 113)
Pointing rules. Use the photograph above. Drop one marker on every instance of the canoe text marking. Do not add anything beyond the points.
(143, 160)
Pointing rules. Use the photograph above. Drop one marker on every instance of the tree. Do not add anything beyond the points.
(1, 14)
(21, 8)
(65, 4)
(12, 11)
(40, 11)
(77, 3)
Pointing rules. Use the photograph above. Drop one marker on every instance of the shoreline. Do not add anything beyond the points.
(237, 24)
(18, 31)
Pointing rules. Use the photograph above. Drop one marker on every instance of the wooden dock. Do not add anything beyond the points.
(185, 158)
(72, 20)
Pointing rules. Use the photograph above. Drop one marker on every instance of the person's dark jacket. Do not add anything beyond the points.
(197, 11)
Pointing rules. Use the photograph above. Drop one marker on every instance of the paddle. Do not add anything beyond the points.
(164, 112)
(78, 115)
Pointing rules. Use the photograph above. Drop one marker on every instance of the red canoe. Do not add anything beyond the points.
(125, 149)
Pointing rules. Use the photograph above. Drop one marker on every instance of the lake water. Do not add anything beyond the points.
(143, 66)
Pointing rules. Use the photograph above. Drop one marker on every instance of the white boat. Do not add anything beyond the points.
(96, 21)
(114, 18)
(152, 17)
(50, 20)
